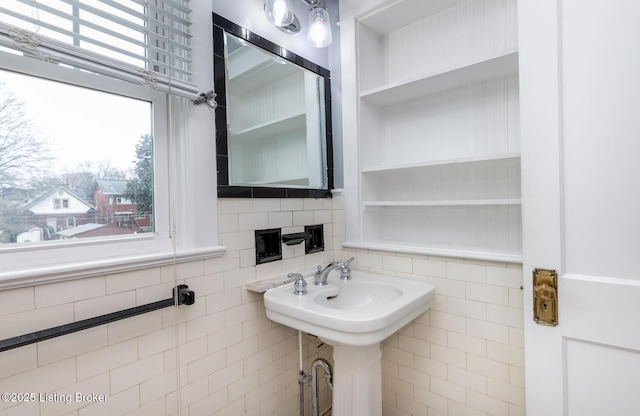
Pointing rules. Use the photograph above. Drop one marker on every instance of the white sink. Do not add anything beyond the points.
(362, 311)
(354, 317)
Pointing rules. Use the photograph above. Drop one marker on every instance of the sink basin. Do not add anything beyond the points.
(362, 311)
(358, 296)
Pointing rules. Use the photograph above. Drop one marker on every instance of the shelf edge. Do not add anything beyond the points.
(464, 254)
(452, 203)
(442, 162)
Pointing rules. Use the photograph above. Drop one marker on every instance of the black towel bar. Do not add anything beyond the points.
(181, 296)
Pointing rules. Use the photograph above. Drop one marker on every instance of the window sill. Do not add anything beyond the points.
(77, 270)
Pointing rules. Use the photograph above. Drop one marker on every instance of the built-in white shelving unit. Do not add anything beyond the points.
(434, 87)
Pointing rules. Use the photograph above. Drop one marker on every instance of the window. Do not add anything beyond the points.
(93, 68)
(71, 161)
(123, 201)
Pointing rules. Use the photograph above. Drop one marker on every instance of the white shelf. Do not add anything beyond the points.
(445, 250)
(467, 202)
(443, 80)
(297, 121)
(396, 14)
(444, 162)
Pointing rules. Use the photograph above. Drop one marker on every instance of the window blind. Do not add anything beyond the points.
(142, 41)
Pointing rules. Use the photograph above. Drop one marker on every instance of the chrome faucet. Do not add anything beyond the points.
(322, 274)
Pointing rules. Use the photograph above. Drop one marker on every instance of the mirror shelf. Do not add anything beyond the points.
(270, 128)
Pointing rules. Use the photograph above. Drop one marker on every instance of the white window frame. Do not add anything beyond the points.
(184, 166)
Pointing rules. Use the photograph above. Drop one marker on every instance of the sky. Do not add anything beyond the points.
(82, 124)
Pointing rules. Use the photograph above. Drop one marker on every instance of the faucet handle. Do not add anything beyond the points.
(345, 270)
(300, 285)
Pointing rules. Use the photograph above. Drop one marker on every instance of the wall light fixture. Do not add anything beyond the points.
(280, 14)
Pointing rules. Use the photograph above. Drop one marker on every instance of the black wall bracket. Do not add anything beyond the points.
(183, 295)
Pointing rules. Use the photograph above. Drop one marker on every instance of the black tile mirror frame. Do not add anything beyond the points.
(221, 25)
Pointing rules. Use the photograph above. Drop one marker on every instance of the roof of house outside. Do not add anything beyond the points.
(47, 194)
(112, 186)
(72, 232)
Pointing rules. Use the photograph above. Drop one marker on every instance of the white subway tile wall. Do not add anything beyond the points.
(222, 356)
(465, 356)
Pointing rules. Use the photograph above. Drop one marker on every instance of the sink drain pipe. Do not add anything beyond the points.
(304, 379)
(328, 374)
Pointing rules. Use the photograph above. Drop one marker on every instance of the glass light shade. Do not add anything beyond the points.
(279, 12)
(319, 30)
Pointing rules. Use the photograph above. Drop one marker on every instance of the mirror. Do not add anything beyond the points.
(275, 139)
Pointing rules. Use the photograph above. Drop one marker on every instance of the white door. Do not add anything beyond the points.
(580, 126)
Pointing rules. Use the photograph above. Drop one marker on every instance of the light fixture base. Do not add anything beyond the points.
(292, 28)
(319, 32)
